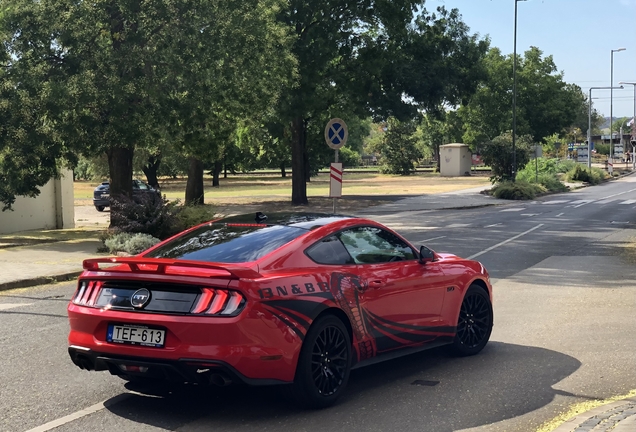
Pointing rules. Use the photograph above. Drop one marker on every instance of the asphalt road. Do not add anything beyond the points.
(564, 296)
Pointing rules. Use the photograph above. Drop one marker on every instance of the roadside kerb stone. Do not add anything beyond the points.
(609, 417)
(41, 280)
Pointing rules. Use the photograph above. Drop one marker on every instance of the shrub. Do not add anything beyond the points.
(519, 190)
(132, 244)
(349, 158)
(498, 155)
(547, 174)
(146, 213)
(591, 176)
(563, 166)
(191, 215)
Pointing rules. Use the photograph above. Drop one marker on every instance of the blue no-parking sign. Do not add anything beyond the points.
(336, 133)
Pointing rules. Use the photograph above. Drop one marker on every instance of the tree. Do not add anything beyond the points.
(545, 103)
(115, 76)
(399, 147)
(497, 154)
(382, 58)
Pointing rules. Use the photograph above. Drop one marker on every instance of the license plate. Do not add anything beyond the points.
(105, 195)
(136, 335)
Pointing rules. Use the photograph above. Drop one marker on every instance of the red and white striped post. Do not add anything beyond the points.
(336, 134)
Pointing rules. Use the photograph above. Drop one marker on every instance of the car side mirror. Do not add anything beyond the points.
(426, 255)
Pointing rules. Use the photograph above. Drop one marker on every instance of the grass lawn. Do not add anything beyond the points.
(247, 189)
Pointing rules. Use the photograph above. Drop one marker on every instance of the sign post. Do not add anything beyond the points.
(336, 134)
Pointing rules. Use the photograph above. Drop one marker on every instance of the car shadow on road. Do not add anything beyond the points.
(425, 391)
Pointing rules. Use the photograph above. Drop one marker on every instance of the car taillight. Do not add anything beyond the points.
(219, 302)
(87, 293)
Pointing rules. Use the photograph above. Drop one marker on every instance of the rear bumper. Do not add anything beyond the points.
(101, 202)
(183, 370)
(252, 345)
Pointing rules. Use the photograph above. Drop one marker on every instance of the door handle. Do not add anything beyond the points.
(376, 284)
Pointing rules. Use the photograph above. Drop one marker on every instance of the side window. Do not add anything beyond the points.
(329, 251)
(141, 185)
(371, 245)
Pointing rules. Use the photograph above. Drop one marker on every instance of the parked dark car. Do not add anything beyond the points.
(101, 194)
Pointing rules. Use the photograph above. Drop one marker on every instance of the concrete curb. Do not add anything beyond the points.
(41, 280)
(611, 415)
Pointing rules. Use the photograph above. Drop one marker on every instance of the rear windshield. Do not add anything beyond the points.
(227, 243)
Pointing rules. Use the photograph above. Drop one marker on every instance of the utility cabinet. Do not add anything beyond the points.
(455, 160)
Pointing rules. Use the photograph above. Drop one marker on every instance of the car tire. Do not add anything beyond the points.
(321, 375)
(474, 323)
(99, 208)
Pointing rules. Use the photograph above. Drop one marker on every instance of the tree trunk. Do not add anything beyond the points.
(120, 166)
(194, 187)
(224, 171)
(299, 181)
(306, 154)
(218, 167)
(150, 170)
(283, 173)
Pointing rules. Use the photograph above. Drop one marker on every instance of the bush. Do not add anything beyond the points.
(591, 176)
(153, 215)
(146, 213)
(349, 158)
(519, 190)
(191, 215)
(132, 244)
(563, 166)
(548, 177)
(498, 155)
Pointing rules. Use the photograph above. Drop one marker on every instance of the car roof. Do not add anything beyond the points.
(307, 221)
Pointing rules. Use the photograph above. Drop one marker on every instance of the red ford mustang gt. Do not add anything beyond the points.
(296, 299)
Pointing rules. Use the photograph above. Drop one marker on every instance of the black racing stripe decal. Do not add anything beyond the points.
(434, 329)
(289, 324)
(308, 308)
(300, 320)
(404, 336)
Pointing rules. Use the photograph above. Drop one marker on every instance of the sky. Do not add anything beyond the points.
(579, 34)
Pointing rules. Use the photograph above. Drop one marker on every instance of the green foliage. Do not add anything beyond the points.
(602, 149)
(546, 104)
(129, 243)
(83, 170)
(399, 148)
(591, 176)
(349, 158)
(498, 155)
(566, 165)
(517, 191)
(145, 213)
(547, 174)
(188, 216)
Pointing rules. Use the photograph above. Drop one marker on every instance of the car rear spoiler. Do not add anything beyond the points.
(160, 265)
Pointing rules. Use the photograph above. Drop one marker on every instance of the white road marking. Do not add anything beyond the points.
(504, 242)
(583, 202)
(628, 202)
(604, 201)
(513, 209)
(79, 414)
(560, 214)
(493, 225)
(6, 306)
(530, 214)
(434, 238)
(458, 225)
(556, 202)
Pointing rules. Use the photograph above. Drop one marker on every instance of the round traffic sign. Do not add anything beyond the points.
(336, 133)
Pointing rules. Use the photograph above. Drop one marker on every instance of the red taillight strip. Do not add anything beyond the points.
(87, 293)
(97, 287)
(232, 304)
(204, 300)
(218, 302)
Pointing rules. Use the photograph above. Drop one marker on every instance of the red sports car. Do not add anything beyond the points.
(297, 299)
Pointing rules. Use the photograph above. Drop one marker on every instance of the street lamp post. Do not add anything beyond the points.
(514, 99)
(633, 123)
(612, 99)
(589, 121)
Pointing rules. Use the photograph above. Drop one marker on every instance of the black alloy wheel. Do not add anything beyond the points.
(323, 365)
(99, 208)
(474, 324)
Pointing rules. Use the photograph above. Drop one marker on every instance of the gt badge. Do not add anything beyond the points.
(140, 298)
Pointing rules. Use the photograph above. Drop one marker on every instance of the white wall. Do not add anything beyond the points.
(53, 208)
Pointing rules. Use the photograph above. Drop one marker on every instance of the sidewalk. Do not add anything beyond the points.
(619, 416)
